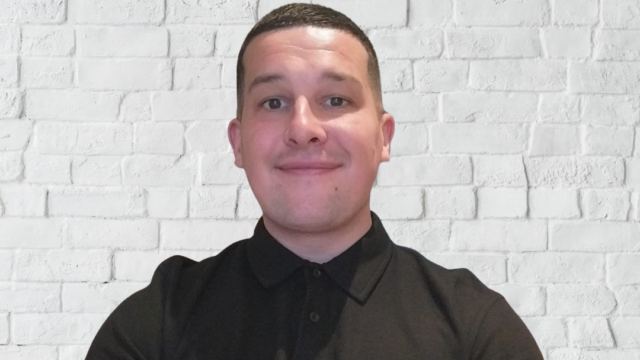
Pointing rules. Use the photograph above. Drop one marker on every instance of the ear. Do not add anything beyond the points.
(235, 139)
(388, 125)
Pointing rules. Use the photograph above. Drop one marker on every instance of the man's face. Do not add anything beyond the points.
(310, 138)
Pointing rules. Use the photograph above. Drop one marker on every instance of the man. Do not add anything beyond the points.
(320, 278)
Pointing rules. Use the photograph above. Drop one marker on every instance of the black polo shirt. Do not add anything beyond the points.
(258, 300)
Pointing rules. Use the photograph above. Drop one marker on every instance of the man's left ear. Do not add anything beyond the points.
(235, 139)
(388, 124)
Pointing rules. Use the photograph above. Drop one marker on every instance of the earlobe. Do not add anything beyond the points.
(388, 125)
(234, 134)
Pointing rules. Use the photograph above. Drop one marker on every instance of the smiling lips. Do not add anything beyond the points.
(300, 167)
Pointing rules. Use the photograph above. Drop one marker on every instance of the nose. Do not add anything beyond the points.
(304, 129)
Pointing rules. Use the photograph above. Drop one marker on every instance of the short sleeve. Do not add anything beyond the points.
(135, 328)
(503, 335)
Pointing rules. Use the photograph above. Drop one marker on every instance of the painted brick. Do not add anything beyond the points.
(441, 75)
(611, 110)
(46, 73)
(425, 170)
(136, 107)
(410, 139)
(614, 141)
(548, 332)
(487, 12)
(101, 202)
(397, 203)
(56, 328)
(248, 206)
(490, 269)
(14, 135)
(197, 235)
(450, 203)
(73, 352)
(211, 12)
(586, 354)
(411, 107)
(430, 12)
(396, 75)
(136, 266)
(219, 169)
(194, 105)
(617, 45)
(121, 234)
(623, 269)
(499, 170)
(6, 264)
(33, 11)
(119, 11)
(229, 66)
(553, 203)
(229, 39)
(72, 105)
(96, 298)
(606, 205)
(138, 74)
(197, 74)
(14, 352)
(213, 202)
(594, 236)
(580, 300)
(265, 6)
(493, 43)
(499, 235)
(478, 138)
(207, 136)
(8, 71)
(367, 13)
(167, 203)
(621, 14)
(47, 41)
(559, 108)
(4, 328)
(491, 107)
(23, 200)
(525, 300)
(557, 267)
(604, 77)
(47, 169)
(192, 41)
(502, 203)
(11, 166)
(84, 139)
(628, 300)
(163, 138)
(572, 43)
(96, 170)
(10, 104)
(63, 265)
(575, 12)
(567, 171)
(10, 39)
(122, 42)
(549, 140)
(407, 43)
(632, 173)
(518, 75)
(635, 205)
(589, 332)
(159, 170)
(420, 235)
(27, 297)
(626, 331)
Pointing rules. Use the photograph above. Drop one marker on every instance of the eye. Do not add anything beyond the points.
(273, 104)
(336, 101)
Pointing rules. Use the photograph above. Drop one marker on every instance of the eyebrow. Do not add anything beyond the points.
(327, 75)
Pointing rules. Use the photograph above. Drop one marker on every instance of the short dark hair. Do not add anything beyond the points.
(294, 15)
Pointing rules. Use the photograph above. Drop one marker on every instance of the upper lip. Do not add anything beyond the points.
(307, 164)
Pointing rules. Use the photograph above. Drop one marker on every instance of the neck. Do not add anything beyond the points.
(321, 246)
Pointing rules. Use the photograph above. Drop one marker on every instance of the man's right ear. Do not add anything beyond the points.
(235, 139)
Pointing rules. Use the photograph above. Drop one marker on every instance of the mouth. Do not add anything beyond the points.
(307, 167)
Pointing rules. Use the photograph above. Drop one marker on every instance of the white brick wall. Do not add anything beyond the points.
(517, 155)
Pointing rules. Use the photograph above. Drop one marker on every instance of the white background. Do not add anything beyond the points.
(516, 155)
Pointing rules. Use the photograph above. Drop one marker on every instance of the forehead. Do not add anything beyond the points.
(303, 48)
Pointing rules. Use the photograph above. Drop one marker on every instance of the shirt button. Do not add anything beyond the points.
(314, 317)
(317, 273)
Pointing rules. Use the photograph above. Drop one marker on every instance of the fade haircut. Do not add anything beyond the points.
(294, 15)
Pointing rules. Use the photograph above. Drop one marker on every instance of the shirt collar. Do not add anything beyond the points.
(357, 270)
